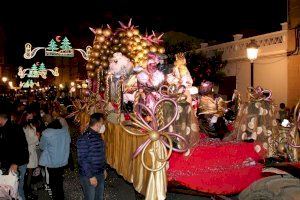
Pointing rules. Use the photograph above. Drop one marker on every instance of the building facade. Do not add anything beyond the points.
(277, 67)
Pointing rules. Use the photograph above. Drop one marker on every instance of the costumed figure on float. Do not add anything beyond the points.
(149, 81)
(256, 122)
(179, 86)
(211, 111)
(120, 67)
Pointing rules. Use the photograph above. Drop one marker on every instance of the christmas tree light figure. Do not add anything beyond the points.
(33, 72)
(37, 70)
(34, 67)
(52, 46)
(42, 67)
(56, 47)
(65, 44)
(29, 84)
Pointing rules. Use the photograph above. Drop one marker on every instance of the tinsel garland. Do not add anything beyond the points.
(98, 82)
(160, 116)
(119, 97)
(137, 98)
(107, 91)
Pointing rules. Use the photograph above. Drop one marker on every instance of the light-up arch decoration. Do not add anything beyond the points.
(57, 47)
(29, 84)
(37, 70)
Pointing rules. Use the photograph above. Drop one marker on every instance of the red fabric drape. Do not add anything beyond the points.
(216, 167)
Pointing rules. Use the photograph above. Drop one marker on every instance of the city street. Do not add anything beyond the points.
(192, 100)
(115, 189)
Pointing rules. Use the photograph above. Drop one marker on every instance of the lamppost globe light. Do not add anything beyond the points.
(252, 52)
(4, 79)
(72, 84)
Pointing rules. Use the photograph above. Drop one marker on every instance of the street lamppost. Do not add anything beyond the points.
(4, 79)
(252, 51)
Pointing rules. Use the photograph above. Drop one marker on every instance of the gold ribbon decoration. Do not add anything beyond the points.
(259, 94)
(173, 91)
(155, 133)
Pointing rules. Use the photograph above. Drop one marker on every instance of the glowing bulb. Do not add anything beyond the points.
(73, 89)
(4, 79)
(61, 86)
(252, 53)
(84, 85)
(10, 83)
(252, 50)
(72, 84)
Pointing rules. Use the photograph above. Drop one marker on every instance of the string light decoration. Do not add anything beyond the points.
(37, 70)
(29, 84)
(58, 48)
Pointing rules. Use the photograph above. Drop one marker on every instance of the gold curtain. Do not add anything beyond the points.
(120, 147)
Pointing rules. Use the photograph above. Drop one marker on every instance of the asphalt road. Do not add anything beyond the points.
(116, 188)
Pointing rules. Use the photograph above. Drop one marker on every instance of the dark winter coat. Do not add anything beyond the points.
(13, 145)
(91, 154)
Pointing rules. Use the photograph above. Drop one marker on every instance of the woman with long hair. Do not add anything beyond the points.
(32, 137)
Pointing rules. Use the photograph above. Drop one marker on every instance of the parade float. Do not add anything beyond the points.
(160, 126)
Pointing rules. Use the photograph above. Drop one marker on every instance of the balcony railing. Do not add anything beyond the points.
(269, 44)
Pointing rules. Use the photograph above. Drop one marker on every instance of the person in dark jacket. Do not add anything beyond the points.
(13, 149)
(91, 158)
(13, 144)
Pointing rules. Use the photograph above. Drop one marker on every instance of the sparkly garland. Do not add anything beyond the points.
(119, 97)
(160, 116)
(107, 91)
(98, 81)
(137, 98)
(194, 170)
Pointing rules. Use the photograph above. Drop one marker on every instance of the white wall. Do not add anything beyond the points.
(269, 73)
(270, 68)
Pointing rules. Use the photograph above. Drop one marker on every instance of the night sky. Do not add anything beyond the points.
(218, 20)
